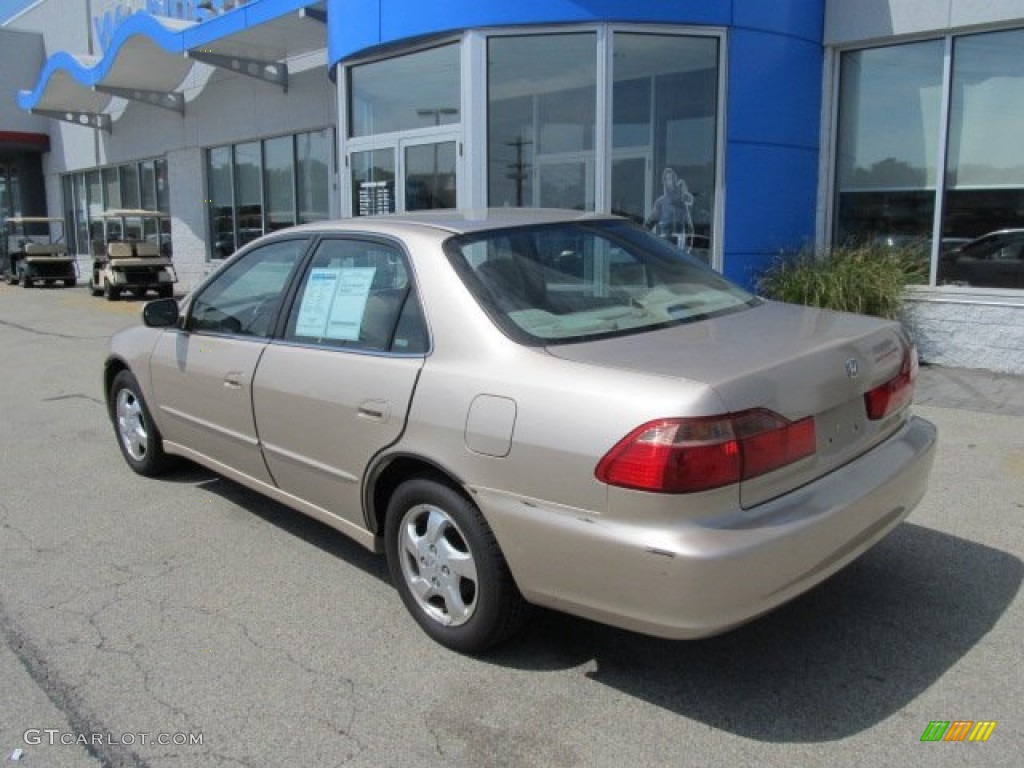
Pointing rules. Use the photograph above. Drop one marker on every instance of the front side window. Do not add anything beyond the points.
(575, 282)
(245, 297)
(357, 294)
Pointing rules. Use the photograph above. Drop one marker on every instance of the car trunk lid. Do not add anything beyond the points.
(797, 362)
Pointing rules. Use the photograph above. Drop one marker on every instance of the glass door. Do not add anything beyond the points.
(430, 173)
(406, 175)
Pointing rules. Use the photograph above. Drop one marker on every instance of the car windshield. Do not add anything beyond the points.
(577, 281)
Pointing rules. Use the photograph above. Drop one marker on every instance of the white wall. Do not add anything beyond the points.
(858, 21)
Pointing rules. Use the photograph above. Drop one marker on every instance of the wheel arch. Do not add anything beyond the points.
(112, 367)
(389, 472)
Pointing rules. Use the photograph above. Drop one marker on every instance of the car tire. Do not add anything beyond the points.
(137, 436)
(111, 293)
(448, 569)
(70, 282)
(26, 281)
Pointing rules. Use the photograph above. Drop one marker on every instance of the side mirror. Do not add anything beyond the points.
(162, 313)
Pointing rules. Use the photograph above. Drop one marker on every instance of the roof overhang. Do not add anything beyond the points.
(149, 58)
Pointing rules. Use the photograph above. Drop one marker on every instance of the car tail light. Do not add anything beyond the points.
(698, 454)
(896, 393)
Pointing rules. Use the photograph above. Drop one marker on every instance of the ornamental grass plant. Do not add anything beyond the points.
(868, 279)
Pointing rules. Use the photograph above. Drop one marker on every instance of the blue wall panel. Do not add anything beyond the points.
(774, 92)
(399, 19)
(796, 18)
(770, 205)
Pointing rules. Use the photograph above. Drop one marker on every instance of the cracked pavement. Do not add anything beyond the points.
(190, 605)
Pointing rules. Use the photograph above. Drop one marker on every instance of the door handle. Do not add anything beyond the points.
(233, 379)
(378, 410)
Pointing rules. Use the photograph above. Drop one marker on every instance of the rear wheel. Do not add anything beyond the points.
(111, 293)
(448, 568)
(137, 436)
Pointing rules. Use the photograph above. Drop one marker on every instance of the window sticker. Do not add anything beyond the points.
(334, 302)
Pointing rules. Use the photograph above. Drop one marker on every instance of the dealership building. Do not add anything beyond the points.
(774, 126)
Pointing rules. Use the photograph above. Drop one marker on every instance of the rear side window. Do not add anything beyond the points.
(358, 294)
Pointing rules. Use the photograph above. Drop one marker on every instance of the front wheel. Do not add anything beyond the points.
(448, 568)
(137, 436)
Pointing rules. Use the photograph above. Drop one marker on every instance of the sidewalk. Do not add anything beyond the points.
(970, 390)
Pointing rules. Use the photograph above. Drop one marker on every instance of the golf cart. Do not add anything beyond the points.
(33, 252)
(131, 252)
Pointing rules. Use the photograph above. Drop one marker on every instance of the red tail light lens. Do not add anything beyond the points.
(688, 455)
(896, 393)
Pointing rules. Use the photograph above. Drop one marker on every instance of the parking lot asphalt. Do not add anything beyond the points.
(193, 608)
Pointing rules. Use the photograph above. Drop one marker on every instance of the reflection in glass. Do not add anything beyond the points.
(984, 192)
(889, 119)
(664, 120)
(147, 186)
(373, 182)
(130, 186)
(313, 167)
(248, 192)
(279, 176)
(430, 176)
(222, 204)
(391, 95)
(541, 113)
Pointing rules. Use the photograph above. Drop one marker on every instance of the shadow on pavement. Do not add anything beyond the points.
(832, 663)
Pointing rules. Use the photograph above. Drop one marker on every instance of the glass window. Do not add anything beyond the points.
(111, 188)
(664, 125)
(148, 186)
(246, 296)
(373, 182)
(314, 151)
(279, 172)
(430, 176)
(542, 97)
(130, 186)
(355, 295)
(570, 282)
(222, 201)
(413, 91)
(985, 164)
(248, 192)
(890, 104)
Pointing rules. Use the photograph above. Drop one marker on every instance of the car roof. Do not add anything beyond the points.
(456, 221)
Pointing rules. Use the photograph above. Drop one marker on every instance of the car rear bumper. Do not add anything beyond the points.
(697, 578)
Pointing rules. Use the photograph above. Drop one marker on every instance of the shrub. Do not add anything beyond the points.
(867, 279)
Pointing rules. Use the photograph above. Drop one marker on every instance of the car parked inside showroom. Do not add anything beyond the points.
(530, 407)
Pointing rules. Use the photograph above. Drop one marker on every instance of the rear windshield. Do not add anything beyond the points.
(560, 283)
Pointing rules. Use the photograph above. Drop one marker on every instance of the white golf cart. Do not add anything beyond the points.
(131, 252)
(33, 252)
